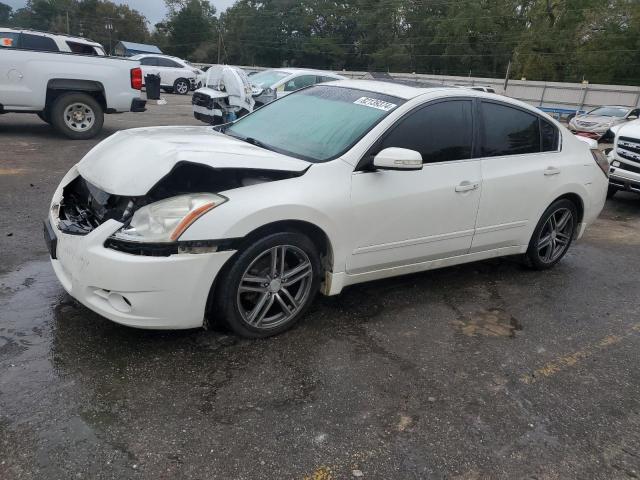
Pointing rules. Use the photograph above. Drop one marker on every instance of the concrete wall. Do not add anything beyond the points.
(548, 95)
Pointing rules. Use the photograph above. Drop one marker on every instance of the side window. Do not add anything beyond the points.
(440, 132)
(38, 42)
(149, 61)
(508, 131)
(326, 79)
(550, 136)
(165, 62)
(299, 82)
(8, 40)
(81, 48)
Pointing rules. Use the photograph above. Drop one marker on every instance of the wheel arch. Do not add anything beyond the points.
(316, 234)
(59, 86)
(576, 200)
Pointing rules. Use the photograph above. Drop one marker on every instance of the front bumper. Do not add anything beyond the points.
(624, 180)
(144, 292)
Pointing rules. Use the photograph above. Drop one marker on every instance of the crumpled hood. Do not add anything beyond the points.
(599, 119)
(130, 162)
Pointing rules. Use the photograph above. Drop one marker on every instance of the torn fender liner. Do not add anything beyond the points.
(131, 162)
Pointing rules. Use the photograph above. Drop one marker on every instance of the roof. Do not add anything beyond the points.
(75, 38)
(387, 88)
(140, 47)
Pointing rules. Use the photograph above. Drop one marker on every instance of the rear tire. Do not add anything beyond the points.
(264, 292)
(77, 115)
(181, 86)
(553, 235)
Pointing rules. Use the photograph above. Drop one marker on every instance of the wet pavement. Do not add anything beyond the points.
(486, 370)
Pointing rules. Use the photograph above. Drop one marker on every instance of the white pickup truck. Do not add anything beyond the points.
(70, 91)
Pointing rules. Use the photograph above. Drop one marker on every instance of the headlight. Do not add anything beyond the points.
(167, 220)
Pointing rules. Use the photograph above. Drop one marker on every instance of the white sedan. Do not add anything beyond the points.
(168, 227)
(279, 82)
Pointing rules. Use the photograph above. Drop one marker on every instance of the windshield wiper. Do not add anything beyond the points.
(255, 142)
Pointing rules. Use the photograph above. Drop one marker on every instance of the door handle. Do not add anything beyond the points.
(467, 186)
(551, 171)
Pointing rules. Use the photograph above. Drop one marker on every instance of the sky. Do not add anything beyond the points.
(154, 10)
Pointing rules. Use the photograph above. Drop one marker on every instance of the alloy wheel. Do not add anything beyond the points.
(182, 88)
(555, 235)
(275, 287)
(79, 117)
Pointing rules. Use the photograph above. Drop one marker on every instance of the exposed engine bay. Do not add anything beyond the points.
(84, 207)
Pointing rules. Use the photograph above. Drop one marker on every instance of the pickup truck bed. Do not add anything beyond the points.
(70, 91)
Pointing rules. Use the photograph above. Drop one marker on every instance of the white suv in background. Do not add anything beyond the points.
(49, 42)
(176, 75)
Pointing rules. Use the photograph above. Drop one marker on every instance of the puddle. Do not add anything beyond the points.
(488, 323)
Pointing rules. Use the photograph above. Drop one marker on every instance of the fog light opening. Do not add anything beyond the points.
(119, 302)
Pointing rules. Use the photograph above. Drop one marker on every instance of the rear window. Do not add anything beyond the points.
(81, 48)
(38, 42)
(8, 40)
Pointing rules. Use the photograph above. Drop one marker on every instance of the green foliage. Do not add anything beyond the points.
(191, 27)
(554, 40)
(5, 13)
(88, 18)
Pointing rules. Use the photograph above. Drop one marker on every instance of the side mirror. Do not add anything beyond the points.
(398, 159)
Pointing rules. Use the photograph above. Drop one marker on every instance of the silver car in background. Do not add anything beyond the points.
(597, 122)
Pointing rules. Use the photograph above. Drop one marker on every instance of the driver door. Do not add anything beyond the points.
(406, 217)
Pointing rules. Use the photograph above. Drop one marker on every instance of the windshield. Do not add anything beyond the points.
(610, 112)
(316, 124)
(267, 78)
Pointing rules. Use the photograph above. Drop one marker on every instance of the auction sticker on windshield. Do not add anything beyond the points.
(375, 103)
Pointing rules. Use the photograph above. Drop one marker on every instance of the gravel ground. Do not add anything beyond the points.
(481, 371)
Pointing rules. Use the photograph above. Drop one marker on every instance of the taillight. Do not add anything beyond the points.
(601, 160)
(136, 78)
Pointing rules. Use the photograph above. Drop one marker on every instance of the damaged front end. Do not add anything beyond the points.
(153, 223)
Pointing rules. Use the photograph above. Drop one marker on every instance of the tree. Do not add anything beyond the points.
(5, 13)
(88, 18)
(191, 27)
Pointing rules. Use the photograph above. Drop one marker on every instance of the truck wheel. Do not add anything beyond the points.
(77, 116)
(181, 86)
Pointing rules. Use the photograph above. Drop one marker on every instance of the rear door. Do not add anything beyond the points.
(149, 66)
(406, 217)
(170, 71)
(521, 168)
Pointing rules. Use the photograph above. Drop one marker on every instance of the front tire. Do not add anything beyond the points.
(181, 86)
(553, 235)
(269, 285)
(77, 116)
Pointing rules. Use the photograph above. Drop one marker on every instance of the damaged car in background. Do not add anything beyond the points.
(597, 122)
(229, 93)
(176, 227)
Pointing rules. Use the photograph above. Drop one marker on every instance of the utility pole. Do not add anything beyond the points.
(219, 42)
(506, 77)
(68, 32)
(109, 26)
